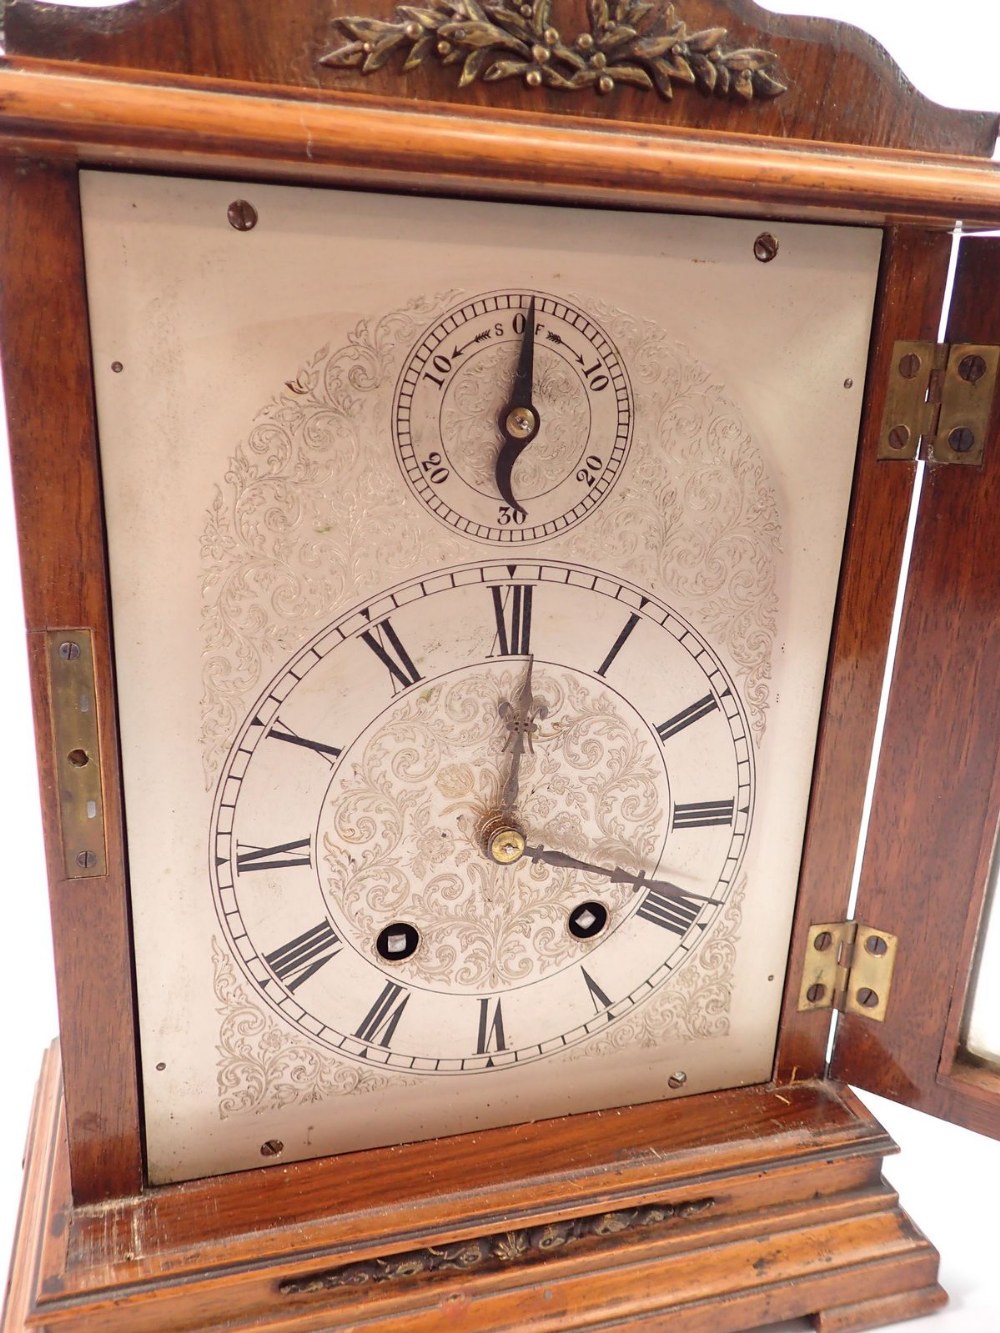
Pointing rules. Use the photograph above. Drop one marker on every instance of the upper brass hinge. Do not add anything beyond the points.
(938, 401)
(848, 967)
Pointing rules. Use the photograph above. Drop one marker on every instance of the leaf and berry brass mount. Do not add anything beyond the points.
(627, 42)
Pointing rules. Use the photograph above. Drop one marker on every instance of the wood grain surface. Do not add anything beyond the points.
(842, 86)
(911, 291)
(781, 1210)
(50, 411)
(195, 127)
(936, 804)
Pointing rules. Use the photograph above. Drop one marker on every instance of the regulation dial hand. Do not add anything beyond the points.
(614, 873)
(518, 419)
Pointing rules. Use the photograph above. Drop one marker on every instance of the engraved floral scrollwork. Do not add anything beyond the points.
(400, 830)
(263, 1065)
(626, 42)
(694, 1004)
(304, 523)
(504, 1247)
(468, 422)
(698, 522)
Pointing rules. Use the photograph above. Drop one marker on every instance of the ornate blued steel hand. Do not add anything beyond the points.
(518, 419)
(521, 719)
(613, 873)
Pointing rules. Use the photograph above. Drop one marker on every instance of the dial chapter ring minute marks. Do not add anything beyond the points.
(480, 624)
(459, 376)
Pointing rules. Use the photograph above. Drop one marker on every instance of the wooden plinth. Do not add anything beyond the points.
(719, 1212)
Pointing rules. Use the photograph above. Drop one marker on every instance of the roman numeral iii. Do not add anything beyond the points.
(702, 814)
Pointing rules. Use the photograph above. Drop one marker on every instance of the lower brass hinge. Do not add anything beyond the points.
(848, 967)
(938, 401)
(76, 737)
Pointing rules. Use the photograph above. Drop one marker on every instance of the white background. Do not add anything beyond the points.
(949, 1179)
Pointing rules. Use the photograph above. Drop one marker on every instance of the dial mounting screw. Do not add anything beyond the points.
(242, 215)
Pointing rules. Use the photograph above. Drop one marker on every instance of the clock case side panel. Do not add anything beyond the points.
(911, 290)
(50, 410)
(936, 804)
(837, 85)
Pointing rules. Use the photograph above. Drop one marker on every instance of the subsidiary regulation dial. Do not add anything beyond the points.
(452, 417)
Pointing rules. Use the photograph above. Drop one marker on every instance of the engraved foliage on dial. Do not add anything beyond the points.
(304, 521)
(263, 1065)
(311, 515)
(400, 827)
(695, 1002)
(468, 422)
(698, 523)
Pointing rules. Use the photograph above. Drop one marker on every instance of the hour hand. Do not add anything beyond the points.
(518, 420)
(614, 873)
(520, 719)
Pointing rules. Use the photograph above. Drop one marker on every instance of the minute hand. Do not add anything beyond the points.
(614, 873)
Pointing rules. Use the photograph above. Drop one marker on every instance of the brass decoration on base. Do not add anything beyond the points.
(625, 44)
(504, 1247)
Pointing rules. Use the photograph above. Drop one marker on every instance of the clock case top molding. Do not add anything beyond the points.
(243, 88)
(239, 89)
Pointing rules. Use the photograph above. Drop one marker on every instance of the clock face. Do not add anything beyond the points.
(445, 416)
(352, 872)
(471, 589)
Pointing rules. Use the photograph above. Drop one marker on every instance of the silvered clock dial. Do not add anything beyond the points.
(479, 819)
(483, 582)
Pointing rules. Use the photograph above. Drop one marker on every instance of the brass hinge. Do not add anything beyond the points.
(73, 700)
(938, 401)
(848, 967)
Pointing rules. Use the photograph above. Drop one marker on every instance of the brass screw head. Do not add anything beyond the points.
(502, 841)
(507, 846)
(242, 215)
(521, 422)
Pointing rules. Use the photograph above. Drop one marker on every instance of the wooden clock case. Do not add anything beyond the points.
(722, 1211)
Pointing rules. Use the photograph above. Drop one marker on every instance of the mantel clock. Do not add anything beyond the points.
(460, 553)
